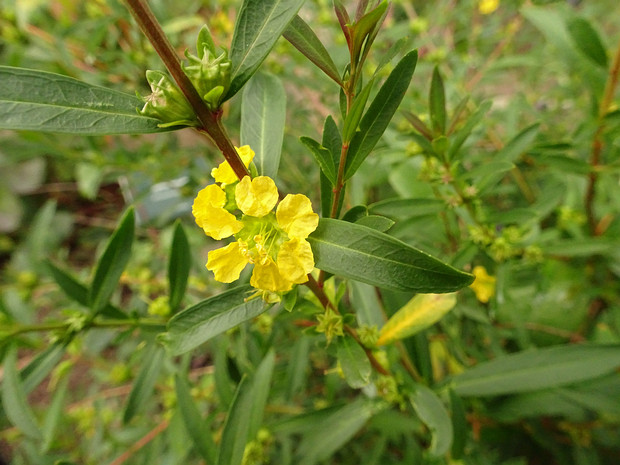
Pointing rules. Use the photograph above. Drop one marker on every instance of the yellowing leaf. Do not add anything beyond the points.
(418, 314)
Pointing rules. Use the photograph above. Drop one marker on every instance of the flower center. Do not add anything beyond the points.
(260, 238)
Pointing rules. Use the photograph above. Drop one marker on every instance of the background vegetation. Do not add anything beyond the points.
(528, 200)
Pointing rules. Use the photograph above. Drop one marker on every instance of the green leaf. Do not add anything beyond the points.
(406, 208)
(419, 313)
(488, 175)
(112, 263)
(47, 102)
(199, 323)
(323, 157)
(379, 114)
(437, 103)
(335, 430)
(435, 416)
(150, 365)
(537, 369)
(588, 41)
(459, 425)
(261, 383)
(263, 114)
(38, 369)
(78, 291)
(178, 266)
(459, 137)
(194, 424)
(518, 145)
(353, 362)
(54, 413)
(303, 38)
(376, 222)
(582, 247)
(236, 428)
(259, 25)
(363, 254)
(365, 29)
(419, 125)
(14, 399)
(355, 114)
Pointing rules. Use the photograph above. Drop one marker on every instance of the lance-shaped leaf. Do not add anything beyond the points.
(303, 38)
(112, 263)
(416, 315)
(263, 114)
(47, 102)
(355, 114)
(199, 323)
(259, 25)
(538, 369)
(150, 366)
(434, 414)
(194, 424)
(14, 399)
(40, 366)
(353, 362)
(587, 41)
(261, 383)
(364, 254)
(178, 266)
(323, 157)
(237, 427)
(380, 113)
(437, 103)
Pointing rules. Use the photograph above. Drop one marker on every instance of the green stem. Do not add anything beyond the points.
(597, 143)
(109, 323)
(210, 121)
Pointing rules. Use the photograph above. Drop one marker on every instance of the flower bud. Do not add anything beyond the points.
(167, 103)
(208, 71)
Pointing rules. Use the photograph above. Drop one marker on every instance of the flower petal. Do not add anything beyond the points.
(211, 217)
(256, 197)
(224, 173)
(295, 216)
(295, 260)
(227, 263)
(267, 277)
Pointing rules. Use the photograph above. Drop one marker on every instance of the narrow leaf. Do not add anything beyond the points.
(437, 103)
(323, 158)
(199, 323)
(14, 399)
(194, 424)
(40, 366)
(263, 114)
(303, 38)
(362, 30)
(588, 41)
(353, 362)
(434, 414)
(379, 114)
(261, 383)
(518, 145)
(355, 114)
(363, 254)
(459, 425)
(462, 134)
(78, 291)
(334, 430)
(236, 428)
(53, 414)
(419, 313)
(343, 18)
(150, 365)
(378, 223)
(112, 263)
(178, 266)
(259, 25)
(47, 102)
(538, 369)
(419, 125)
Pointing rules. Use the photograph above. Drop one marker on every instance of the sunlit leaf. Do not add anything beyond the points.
(434, 414)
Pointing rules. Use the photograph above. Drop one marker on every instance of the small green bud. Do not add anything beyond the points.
(368, 335)
(330, 323)
(209, 73)
(167, 103)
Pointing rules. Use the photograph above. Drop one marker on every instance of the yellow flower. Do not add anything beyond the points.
(486, 7)
(224, 174)
(484, 284)
(275, 243)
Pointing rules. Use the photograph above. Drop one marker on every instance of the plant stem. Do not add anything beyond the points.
(108, 323)
(597, 143)
(209, 120)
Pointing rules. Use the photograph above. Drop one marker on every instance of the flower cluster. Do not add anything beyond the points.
(274, 242)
